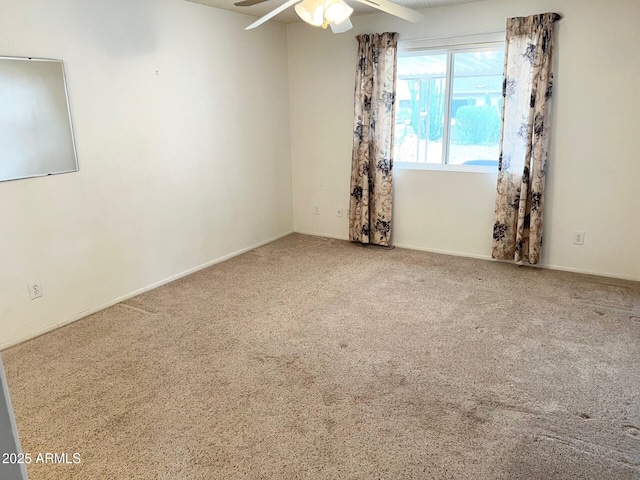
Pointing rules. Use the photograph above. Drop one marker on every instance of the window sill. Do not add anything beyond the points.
(446, 168)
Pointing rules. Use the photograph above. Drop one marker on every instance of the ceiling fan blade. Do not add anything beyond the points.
(341, 27)
(272, 14)
(248, 3)
(394, 9)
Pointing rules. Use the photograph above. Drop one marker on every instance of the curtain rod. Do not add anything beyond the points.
(452, 36)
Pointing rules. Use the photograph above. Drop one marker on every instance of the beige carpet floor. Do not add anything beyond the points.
(311, 358)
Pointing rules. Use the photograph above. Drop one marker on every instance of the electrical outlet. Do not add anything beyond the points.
(578, 238)
(316, 210)
(339, 211)
(35, 289)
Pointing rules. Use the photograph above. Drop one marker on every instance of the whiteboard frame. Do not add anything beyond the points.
(66, 95)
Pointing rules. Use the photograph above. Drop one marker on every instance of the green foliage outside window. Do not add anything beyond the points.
(476, 125)
(427, 107)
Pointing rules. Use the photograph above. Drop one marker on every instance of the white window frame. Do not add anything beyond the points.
(445, 46)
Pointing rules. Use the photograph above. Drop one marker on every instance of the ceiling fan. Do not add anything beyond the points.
(332, 13)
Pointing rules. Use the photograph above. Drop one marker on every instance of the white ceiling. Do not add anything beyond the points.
(289, 15)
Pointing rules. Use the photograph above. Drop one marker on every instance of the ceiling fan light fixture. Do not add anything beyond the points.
(341, 27)
(336, 11)
(311, 11)
(314, 12)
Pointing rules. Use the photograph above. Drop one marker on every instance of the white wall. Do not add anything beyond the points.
(594, 165)
(177, 169)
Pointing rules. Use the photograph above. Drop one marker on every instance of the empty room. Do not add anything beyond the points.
(319, 239)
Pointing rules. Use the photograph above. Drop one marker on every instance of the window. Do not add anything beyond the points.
(449, 104)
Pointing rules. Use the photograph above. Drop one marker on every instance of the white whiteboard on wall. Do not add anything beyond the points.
(36, 134)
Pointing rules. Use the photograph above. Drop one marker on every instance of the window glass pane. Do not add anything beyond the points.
(476, 106)
(420, 93)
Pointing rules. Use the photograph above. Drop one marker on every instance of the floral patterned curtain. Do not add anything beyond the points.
(372, 159)
(527, 89)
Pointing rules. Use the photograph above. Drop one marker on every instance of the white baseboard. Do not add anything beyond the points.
(488, 257)
(540, 265)
(444, 252)
(590, 272)
(325, 235)
(90, 311)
